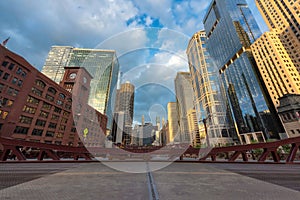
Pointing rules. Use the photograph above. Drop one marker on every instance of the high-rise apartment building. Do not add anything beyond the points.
(283, 17)
(173, 126)
(193, 127)
(125, 103)
(56, 61)
(103, 65)
(184, 95)
(231, 28)
(277, 70)
(208, 100)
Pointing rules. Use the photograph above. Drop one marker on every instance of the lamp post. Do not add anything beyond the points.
(206, 134)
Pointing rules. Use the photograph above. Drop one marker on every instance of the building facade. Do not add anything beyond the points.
(283, 17)
(208, 100)
(35, 108)
(193, 127)
(125, 103)
(289, 112)
(173, 122)
(231, 29)
(57, 59)
(103, 65)
(184, 95)
(277, 70)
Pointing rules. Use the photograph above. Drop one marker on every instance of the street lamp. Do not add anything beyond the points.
(206, 134)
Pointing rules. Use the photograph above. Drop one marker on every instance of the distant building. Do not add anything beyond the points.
(277, 70)
(193, 127)
(208, 100)
(125, 103)
(185, 97)
(283, 18)
(289, 112)
(144, 135)
(230, 29)
(103, 65)
(173, 121)
(35, 108)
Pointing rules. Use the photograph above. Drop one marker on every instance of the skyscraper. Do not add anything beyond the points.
(230, 28)
(184, 95)
(275, 66)
(193, 127)
(125, 104)
(172, 121)
(103, 65)
(209, 104)
(283, 17)
(56, 61)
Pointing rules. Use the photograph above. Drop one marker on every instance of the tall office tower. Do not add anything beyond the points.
(193, 127)
(56, 61)
(284, 18)
(230, 29)
(209, 104)
(277, 70)
(173, 126)
(104, 67)
(184, 95)
(124, 103)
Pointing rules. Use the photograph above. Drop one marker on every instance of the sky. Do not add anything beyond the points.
(150, 38)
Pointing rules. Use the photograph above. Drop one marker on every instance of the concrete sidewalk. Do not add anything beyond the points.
(176, 181)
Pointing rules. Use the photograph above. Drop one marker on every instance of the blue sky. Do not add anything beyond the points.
(149, 57)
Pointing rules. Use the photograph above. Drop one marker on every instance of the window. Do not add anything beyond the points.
(20, 83)
(49, 134)
(4, 114)
(67, 106)
(62, 96)
(1, 87)
(36, 91)
(21, 130)
(4, 63)
(73, 130)
(59, 102)
(64, 120)
(11, 66)
(40, 83)
(32, 100)
(7, 102)
(52, 125)
(40, 123)
(50, 98)
(28, 109)
(55, 117)
(21, 72)
(37, 132)
(57, 110)
(62, 127)
(12, 91)
(14, 80)
(46, 106)
(52, 90)
(25, 119)
(66, 113)
(44, 114)
(6, 76)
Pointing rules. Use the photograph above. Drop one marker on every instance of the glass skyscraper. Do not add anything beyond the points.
(208, 101)
(230, 28)
(103, 65)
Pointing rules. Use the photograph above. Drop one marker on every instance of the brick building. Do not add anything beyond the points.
(35, 108)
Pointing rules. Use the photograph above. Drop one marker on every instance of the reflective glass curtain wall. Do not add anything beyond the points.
(230, 29)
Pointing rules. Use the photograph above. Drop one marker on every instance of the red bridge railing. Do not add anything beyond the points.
(269, 149)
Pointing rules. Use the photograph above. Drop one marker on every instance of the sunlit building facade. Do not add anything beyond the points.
(208, 100)
(56, 61)
(193, 127)
(173, 127)
(277, 70)
(103, 65)
(231, 29)
(283, 17)
(184, 95)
